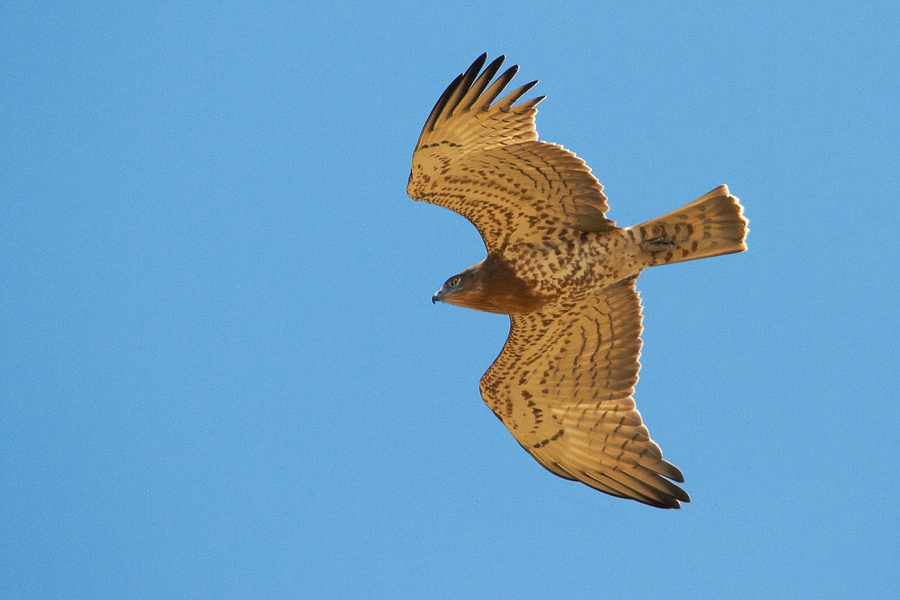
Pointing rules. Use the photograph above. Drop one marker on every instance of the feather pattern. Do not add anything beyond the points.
(564, 382)
(482, 159)
(563, 385)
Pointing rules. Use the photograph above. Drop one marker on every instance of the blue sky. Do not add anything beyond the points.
(220, 372)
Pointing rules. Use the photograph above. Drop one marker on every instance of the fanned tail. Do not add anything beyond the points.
(711, 225)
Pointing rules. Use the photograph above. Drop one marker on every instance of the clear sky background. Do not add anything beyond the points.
(221, 375)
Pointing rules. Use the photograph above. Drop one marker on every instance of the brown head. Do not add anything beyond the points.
(490, 286)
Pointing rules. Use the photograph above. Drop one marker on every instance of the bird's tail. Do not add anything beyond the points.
(709, 226)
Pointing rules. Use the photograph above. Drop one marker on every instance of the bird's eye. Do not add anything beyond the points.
(454, 281)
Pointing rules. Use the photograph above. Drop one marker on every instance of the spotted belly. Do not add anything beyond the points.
(573, 264)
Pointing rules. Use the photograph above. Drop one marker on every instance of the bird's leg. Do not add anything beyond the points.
(657, 244)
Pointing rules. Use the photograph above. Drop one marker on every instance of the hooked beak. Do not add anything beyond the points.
(438, 296)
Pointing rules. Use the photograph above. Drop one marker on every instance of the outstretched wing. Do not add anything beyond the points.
(563, 385)
(482, 159)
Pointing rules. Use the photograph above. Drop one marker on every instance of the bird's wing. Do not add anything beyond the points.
(563, 385)
(481, 158)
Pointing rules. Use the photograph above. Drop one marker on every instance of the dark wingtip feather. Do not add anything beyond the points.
(471, 89)
(463, 84)
(441, 103)
(499, 84)
(529, 104)
(667, 469)
(482, 82)
(508, 100)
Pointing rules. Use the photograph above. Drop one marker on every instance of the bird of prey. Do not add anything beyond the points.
(565, 274)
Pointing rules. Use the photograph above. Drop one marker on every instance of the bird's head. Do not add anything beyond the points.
(456, 288)
(489, 286)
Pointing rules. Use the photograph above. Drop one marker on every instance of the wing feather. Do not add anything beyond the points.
(480, 157)
(563, 385)
(476, 89)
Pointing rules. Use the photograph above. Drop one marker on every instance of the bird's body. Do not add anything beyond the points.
(565, 274)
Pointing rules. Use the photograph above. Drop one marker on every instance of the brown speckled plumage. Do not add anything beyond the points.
(565, 274)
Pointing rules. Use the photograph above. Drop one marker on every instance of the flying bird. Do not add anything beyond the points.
(565, 274)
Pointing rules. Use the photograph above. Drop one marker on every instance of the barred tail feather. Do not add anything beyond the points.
(711, 225)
